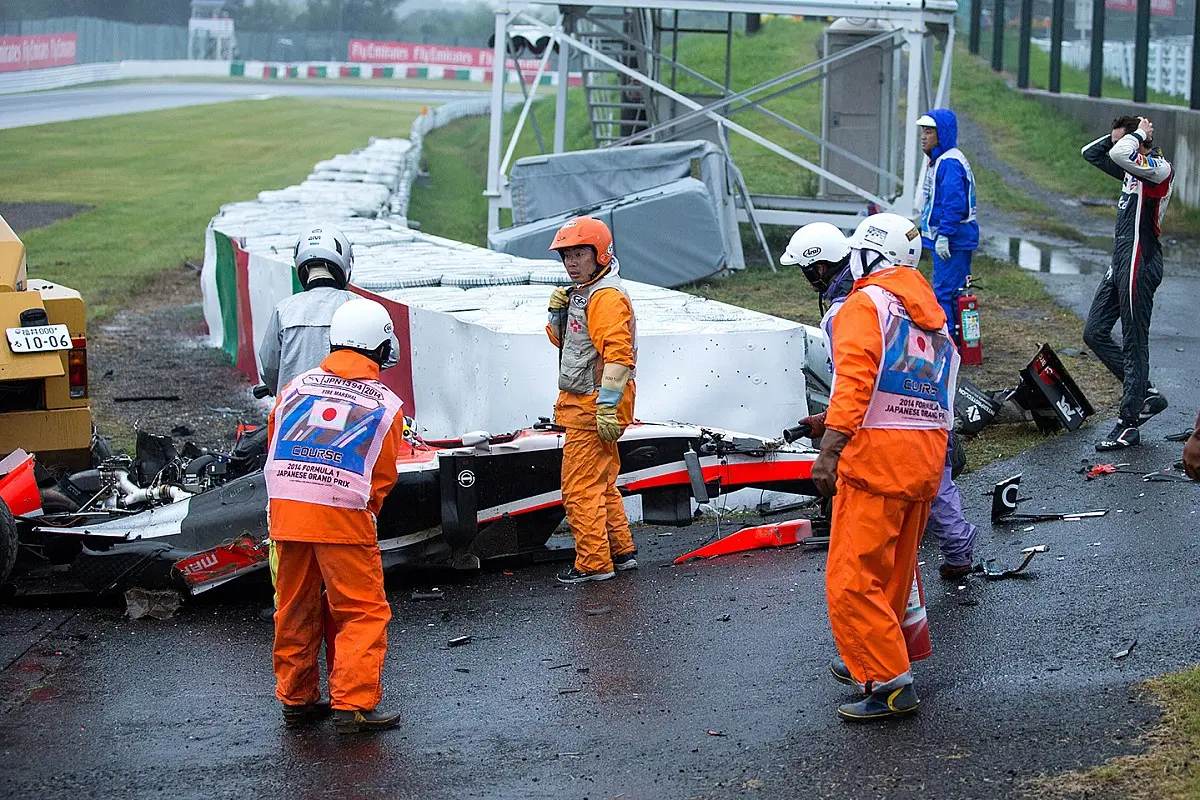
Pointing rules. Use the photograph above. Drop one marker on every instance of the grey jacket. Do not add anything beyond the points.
(297, 337)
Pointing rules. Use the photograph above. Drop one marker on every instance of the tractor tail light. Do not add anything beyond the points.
(77, 368)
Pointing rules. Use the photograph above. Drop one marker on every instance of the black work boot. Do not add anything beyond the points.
(883, 701)
(954, 572)
(305, 714)
(841, 673)
(364, 721)
(575, 576)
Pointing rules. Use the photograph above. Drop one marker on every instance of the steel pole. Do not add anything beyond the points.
(1023, 44)
(1096, 65)
(975, 31)
(560, 98)
(998, 36)
(1058, 15)
(1196, 57)
(1141, 51)
(916, 48)
(496, 135)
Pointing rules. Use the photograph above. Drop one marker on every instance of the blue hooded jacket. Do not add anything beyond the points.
(952, 210)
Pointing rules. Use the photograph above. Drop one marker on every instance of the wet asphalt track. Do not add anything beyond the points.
(1022, 679)
(1021, 682)
(60, 105)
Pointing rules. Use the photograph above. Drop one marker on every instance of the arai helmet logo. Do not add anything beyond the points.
(811, 252)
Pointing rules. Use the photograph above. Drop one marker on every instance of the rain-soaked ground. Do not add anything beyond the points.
(701, 680)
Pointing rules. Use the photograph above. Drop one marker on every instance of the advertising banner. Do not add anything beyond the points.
(37, 52)
(1163, 8)
(366, 51)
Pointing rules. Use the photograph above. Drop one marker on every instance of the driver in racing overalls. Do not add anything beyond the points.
(334, 435)
(1126, 293)
(894, 373)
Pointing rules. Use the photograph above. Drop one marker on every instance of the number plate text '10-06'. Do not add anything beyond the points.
(40, 339)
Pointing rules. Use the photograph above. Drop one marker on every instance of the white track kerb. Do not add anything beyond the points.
(471, 321)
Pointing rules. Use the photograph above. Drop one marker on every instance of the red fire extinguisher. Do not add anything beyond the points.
(970, 348)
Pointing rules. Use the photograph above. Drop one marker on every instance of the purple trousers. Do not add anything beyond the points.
(955, 535)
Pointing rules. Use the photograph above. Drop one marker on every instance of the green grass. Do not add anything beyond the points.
(1169, 770)
(451, 202)
(991, 186)
(155, 179)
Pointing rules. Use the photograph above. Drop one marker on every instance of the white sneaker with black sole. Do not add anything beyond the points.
(575, 576)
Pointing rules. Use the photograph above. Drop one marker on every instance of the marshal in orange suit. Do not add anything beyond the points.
(881, 459)
(593, 326)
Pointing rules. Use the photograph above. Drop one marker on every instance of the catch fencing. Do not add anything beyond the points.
(104, 40)
(1169, 69)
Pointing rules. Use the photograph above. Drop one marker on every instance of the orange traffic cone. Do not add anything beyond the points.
(778, 535)
(916, 624)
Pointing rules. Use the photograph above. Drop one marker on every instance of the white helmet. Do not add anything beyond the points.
(361, 324)
(817, 241)
(896, 240)
(324, 248)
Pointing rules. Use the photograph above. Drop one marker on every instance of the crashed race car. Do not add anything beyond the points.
(193, 519)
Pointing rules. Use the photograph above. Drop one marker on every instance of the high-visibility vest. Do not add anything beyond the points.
(328, 434)
(918, 375)
(579, 367)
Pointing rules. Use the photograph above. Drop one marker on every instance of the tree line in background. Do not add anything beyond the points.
(382, 18)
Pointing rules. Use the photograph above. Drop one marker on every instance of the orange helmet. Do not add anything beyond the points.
(586, 231)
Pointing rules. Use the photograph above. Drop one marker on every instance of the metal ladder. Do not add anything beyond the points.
(617, 107)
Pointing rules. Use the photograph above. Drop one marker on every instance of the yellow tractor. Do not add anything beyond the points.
(43, 365)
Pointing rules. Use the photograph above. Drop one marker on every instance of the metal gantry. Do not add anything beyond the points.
(630, 87)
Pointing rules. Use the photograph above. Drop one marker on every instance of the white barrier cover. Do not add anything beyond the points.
(480, 355)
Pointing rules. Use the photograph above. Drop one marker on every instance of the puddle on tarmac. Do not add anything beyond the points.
(1041, 257)
(1071, 259)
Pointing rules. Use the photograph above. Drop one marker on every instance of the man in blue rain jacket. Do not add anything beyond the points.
(948, 226)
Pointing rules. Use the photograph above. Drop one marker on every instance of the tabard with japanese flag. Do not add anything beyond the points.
(330, 415)
(918, 372)
(328, 433)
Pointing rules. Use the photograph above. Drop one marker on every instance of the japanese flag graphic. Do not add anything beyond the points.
(330, 415)
(920, 346)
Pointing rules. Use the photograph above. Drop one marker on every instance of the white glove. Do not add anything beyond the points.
(942, 246)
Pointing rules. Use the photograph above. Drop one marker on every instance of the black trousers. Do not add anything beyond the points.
(1131, 300)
